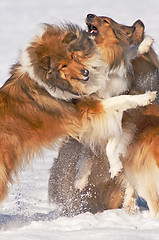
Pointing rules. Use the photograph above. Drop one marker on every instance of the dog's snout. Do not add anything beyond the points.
(90, 16)
(85, 73)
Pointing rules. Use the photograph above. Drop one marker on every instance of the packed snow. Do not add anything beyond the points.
(26, 214)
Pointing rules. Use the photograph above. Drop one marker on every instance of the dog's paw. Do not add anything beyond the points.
(149, 97)
(131, 207)
(145, 45)
(80, 183)
(115, 169)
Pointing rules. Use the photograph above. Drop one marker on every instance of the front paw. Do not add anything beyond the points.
(115, 169)
(131, 207)
(145, 45)
(149, 97)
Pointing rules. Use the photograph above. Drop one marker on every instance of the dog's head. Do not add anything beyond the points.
(105, 29)
(55, 59)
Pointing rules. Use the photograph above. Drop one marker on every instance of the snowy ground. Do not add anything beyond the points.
(25, 214)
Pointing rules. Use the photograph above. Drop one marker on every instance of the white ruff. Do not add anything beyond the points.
(104, 82)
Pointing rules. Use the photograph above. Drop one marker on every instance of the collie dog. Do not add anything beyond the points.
(47, 97)
(100, 193)
(141, 163)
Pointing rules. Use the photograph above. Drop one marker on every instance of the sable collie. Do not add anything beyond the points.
(100, 193)
(112, 51)
(46, 98)
(141, 164)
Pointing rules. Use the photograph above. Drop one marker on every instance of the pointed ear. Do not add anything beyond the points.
(138, 34)
(69, 37)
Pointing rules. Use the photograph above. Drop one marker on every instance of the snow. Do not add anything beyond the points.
(26, 214)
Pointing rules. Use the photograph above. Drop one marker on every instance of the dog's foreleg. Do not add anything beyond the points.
(145, 45)
(129, 203)
(141, 48)
(113, 155)
(83, 171)
(4, 178)
(124, 102)
(116, 138)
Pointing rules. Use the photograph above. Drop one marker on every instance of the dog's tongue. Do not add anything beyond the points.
(92, 29)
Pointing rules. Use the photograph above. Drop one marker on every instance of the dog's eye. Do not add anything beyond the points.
(64, 66)
(106, 21)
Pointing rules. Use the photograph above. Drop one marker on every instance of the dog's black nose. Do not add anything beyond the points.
(90, 16)
(85, 73)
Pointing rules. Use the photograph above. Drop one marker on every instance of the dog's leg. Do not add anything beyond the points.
(83, 171)
(145, 45)
(149, 191)
(124, 102)
(3, 182)
(101, 121)
(153, 202)
(10, 155)
(6, 167)
(115, 106)
(141, 48)
(117, 147)
(129, 203)
(113, 156)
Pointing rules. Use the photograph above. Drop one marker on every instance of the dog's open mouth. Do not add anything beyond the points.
(91, 29)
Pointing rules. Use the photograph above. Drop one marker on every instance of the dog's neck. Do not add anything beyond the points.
(105, 82)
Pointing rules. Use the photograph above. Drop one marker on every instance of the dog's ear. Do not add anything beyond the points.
(69, 37)
(42, 60)
(138, 34)
(43, 57)
(48, 67)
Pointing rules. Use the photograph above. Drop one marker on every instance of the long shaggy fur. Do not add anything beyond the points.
(97, 178)
(36, 101)
(48, 97)
(141, 161)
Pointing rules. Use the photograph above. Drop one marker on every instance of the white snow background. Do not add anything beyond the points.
(26, 214)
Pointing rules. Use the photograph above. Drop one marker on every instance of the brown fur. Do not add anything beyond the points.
(30, 118)
(48, 97)
(144, 74)
(103, 189)
(112, 50)
(140, 164)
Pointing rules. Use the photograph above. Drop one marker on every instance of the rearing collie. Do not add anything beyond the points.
(78, 167)
(47, 98)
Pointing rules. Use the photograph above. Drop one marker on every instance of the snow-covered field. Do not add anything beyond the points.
(25, 214)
